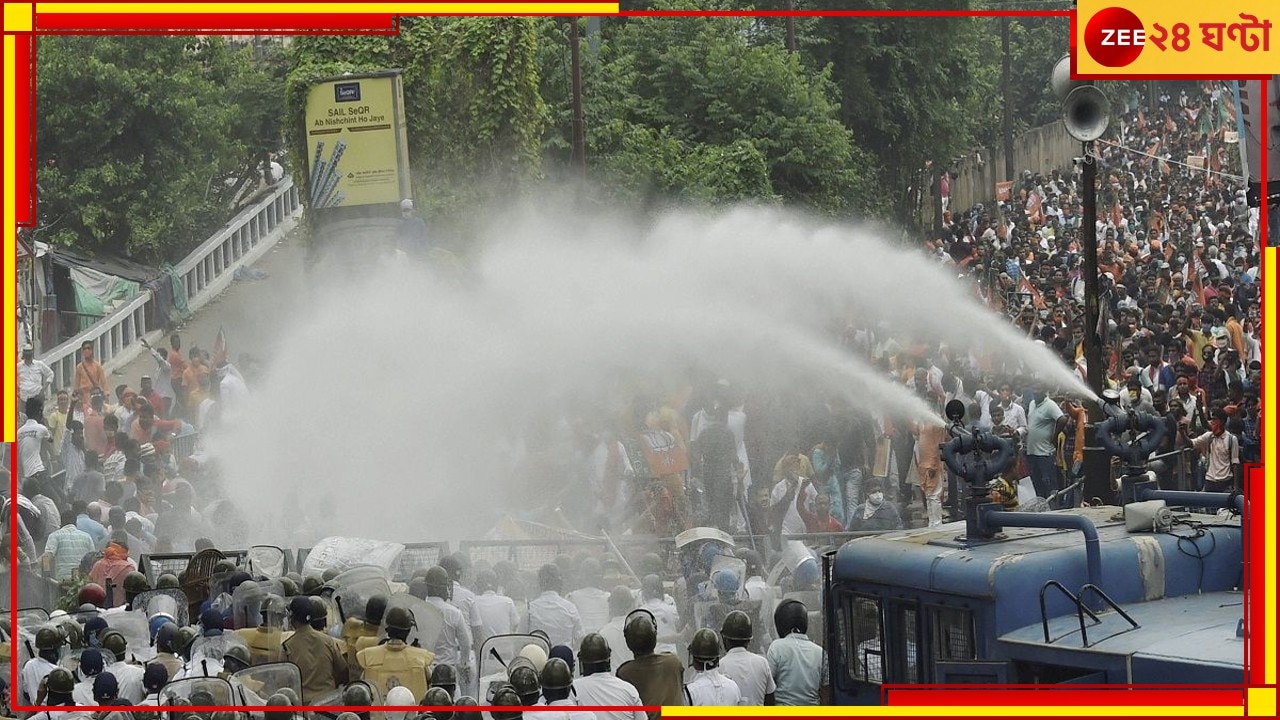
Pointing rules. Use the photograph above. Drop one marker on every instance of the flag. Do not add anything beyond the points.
(1025, 286)
(220, 348)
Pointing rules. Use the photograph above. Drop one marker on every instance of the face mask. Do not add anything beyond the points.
(875, 498)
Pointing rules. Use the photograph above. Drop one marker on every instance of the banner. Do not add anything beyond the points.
(356, 141)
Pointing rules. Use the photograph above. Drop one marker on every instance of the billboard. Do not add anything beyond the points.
(356, 141)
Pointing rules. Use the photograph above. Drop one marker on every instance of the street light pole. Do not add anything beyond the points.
(1089, 247)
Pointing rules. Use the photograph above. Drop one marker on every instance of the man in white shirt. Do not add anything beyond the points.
(799, 665)
(33, 437)
(553, 614)
(599, 686)
(461, 597)
(592, 602)
(749, 670)
(709, 686)
(48, 646)
(453, 647)
(787, 493)
(557, 686)
(621, 602)
(664, 612)
(497, 612)
(35, 378)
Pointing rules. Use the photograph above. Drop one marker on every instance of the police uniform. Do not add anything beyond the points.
(711, 688)
(564, 714)
(394, 664)
(751, 672)
(604, 688)
(320, 661)
(453, 647)
(659, 678)
(266, 645)
(32, 674)
(172, 663)
(129, 678)
(355, 630)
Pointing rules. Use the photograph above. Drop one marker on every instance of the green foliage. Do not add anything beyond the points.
(134, 135)
(689, 93)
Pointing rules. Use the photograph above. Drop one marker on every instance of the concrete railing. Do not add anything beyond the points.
(207, 271)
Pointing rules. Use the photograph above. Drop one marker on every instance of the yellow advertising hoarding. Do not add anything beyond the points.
(356, 141)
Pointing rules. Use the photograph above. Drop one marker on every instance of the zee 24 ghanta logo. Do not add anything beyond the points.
(1115, 37)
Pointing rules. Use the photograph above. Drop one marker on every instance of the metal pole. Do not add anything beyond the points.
(579, 133)
(1089, 241)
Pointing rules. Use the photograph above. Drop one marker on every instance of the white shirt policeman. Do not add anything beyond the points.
(564, 715)
(712, 688)
(453, 647)
(557, 617)
(751, 673)
(605, 688)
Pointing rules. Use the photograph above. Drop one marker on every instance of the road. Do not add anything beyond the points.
(253, 313)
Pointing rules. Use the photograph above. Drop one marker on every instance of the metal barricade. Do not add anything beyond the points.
(157, 564)
(419, 555)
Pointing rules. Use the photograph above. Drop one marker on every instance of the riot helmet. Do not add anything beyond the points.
(641, 632)
(444, 676)
(374, 609)
(556, 680)
(704, 649)
(115, 642)
(791, 616)
(525, 680)
(167, 581)
(507, 696)
(438, 697)
(59, 682)
(736, 629)
(594, 655)
(92, 594)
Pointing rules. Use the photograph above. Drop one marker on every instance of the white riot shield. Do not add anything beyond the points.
(353, 588)
(169, 602)
(197, 691)
(427, 618)
(254, 685)
(267, 561)
(496, 653)
(347, 552)
(137, 632)
(246, 602)
(207, 652)
(33, 616)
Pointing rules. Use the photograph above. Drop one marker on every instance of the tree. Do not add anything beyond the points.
(134, 135)
(691, 107)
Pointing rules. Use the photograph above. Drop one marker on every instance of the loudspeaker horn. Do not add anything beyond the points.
(1086, 113)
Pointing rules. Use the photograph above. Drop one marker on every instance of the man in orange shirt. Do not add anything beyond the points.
(177, 370)
(90, 374)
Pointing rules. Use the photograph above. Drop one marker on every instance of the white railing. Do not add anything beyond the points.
(207, 271)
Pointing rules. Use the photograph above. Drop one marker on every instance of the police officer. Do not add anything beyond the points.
(235, 659)
(453, 646)
(551, 613)
(799, 665)
(396, 663)
(461, 597)
(168, 639)
(525, 681)
(55, 689)
(266, 641)
(399, 696)
(438, 697)
(599, 686)
(91, 665)
(443, 677)
(749, 670)
(658, 677)
(362, 632)
(319, 659)
(557, 685)
(134, 582)
(167, 581)
(709, 687)
(591, 599)
(128, 674)
(506, 697)
(48, 651)
(664, 612)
